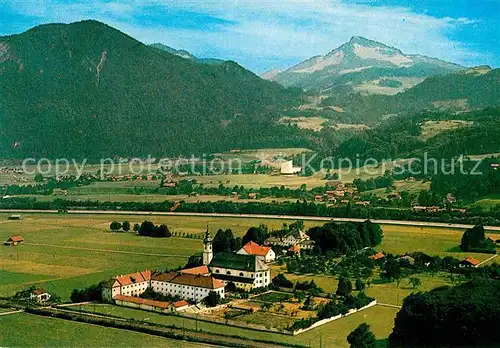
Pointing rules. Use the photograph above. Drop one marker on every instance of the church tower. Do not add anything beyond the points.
(207, 248)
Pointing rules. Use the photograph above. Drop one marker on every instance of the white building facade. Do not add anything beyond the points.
(187, 286)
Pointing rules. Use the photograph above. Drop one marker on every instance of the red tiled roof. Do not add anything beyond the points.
(16, 239)
(253, 248)
(200, 270)
(377, 256)
(133, 278)
(493, 237)
(197, 280)
(143, 301)
(39, 291)
(180, 303)
(472, 261)
(295, 248)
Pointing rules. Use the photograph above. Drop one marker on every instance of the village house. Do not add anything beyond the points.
(252, 195)
(294, 250)
(14, 240)
(307, 244)
(431, 209)
(193, 287)
(450, 198)
(363, 203)
(142, 303)
(335, 193)
(494, 238)
(377, 256)
(394, 196)
(469, 262)
(291, 238)
(40, 296)
(336, 184)
(264, 253)
(287, 168)
(133, 284)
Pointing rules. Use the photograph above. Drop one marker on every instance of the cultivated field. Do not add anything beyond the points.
(433, 128)
(63, 252)
(25, 330)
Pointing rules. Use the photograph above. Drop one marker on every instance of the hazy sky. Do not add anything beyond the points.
(262, 34)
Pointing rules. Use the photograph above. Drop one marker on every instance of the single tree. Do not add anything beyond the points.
(362, 337)
(415, 282)
(256, 234)
(345, 287)
(147, 228)
(224, 241)
(126, 226)
(115, 226)
(212, 300)
(360, 285)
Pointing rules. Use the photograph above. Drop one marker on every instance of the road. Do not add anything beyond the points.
(255, 216)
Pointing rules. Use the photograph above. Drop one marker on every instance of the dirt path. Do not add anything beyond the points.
(489, 259)
(105, 250)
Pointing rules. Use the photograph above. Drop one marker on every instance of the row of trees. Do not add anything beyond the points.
(149, 229)
(342, 238)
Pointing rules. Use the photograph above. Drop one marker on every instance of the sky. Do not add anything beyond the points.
(262, 34)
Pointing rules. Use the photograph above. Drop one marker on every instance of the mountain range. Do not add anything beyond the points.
(86, 89)
(366, 65)
(185, 54)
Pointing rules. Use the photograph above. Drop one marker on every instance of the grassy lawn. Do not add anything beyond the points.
(488, 202)
(433, 241)
(433, 128)
(330, 335)
(389, 293)
(50, 332)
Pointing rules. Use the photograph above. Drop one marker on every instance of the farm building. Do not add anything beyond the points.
(291, 238)
(15, 217)
(150, 305)
(287, 168)
(40, 296)
(128, 285)
(264, 253)
(469, 262)
(377, 256)
(14, 240)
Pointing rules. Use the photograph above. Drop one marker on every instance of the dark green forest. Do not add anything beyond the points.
(88, 90)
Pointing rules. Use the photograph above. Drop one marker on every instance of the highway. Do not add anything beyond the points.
(254, 216)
